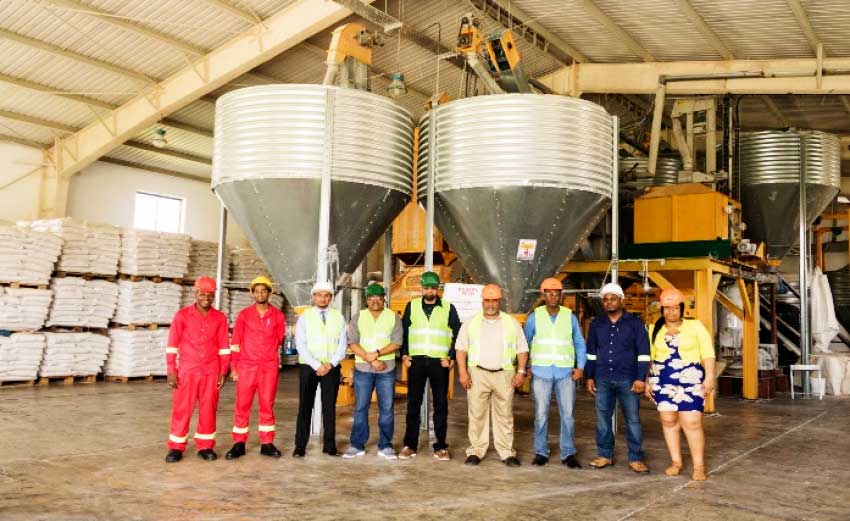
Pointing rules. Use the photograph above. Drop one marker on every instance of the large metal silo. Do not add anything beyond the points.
(272, 144)
(512, 171)
(771, 163)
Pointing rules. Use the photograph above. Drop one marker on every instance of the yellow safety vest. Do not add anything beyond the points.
(429, 337)
(375, 334)
(509, 336)
(322, 337)
(553, 343)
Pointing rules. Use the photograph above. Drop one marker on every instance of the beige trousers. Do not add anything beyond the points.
(491, 394)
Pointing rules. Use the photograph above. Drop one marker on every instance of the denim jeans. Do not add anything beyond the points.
(608, 393)
(364, 384)
(565, 393)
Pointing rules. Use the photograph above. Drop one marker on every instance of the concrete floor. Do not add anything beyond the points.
(96, 452)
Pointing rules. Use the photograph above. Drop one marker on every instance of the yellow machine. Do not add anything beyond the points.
(494, 58)
(686, 212)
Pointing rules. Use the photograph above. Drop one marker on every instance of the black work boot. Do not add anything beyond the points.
(268, 449)
(173, 456)
(237, 451)
(207, 455)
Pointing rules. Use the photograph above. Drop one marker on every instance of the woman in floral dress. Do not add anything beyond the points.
(681, 376)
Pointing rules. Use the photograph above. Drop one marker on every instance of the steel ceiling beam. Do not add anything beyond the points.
(625, 38)
(708, 33)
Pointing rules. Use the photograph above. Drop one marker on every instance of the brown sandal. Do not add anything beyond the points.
(699, 474)
(674, 469)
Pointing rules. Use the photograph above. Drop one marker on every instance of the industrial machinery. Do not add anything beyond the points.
(494, 58)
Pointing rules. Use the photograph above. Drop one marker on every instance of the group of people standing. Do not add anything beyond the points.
(672, 365)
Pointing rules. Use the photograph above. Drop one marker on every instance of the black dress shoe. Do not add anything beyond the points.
(472, 460)
(237, 451)
(173, 456)
(268, 449)
(539, 460)
(511, 462)
(207, 455)
(298, 453)
(571, 462)
(331, 451)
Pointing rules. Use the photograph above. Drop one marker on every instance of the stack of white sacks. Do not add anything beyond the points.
(27, 256)
(203, 261)
(147, 302)
(137, 353)
(79, 302)
(20, 356)
(88, 247)
(24, 309)
(245, 265)
(73, 354)
(240, 300)
(154, 254)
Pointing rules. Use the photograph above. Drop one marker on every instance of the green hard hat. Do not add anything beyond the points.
(373, 290)
(429, 279)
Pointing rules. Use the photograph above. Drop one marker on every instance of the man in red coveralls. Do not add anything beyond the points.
(255, 365)
(198, 338)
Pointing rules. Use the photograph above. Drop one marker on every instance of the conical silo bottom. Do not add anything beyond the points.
(280, 217)
(771, 212)
(484, 226)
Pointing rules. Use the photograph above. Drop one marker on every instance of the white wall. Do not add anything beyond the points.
(104, 192)
(19, 200)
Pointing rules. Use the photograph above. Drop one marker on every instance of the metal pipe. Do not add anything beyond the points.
(325, 194)
(615, 198)
(388, 263)
(711, 139)
(666, 78)
(805, 335)
(655, 134)
(773, 315)
(429, 202)
(222, 246)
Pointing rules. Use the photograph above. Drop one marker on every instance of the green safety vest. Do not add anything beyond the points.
(509, 335)
(375, 334)
(553, 343)
(322, 337)
(430, 337)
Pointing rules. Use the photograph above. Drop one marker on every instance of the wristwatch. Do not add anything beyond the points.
(521, 371)
(378, 352)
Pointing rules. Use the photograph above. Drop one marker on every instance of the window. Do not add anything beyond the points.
(159, 213)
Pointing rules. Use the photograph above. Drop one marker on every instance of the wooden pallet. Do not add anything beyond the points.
(17, 285)
(67, 380)
(19, 383)
(133, 327)
(85, 276)
(157, 279)
(77, 329)
(127, 379)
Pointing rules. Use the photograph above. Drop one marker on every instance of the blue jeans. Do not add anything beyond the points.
(565, 393)
(364, 384)
(608, 393)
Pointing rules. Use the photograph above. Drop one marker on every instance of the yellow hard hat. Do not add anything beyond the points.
(260, 280)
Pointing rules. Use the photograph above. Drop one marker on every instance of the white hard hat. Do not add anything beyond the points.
(612, 289)
(321, 287)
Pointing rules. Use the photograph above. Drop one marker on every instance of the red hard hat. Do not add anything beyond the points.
(671, 297)
(491, 292)
(205, 284)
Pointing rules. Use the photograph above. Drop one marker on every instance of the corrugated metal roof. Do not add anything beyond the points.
(44, 106)
(179, 140)
(831, 22)
(661, 28)
(755, 30)
(568, 20)
(199, 114)
(143, 157)
(27, 132)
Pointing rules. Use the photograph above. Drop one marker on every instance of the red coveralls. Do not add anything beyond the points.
(255, 356)
(201, 343)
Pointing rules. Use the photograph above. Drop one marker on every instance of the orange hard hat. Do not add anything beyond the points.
(205, 284)
(671, 297)
(491, 292)
(551, 284)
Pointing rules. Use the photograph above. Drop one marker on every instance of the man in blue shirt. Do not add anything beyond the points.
(617, 363)
(558, 356)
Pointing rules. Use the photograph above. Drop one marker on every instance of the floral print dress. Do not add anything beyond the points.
(676, 384)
